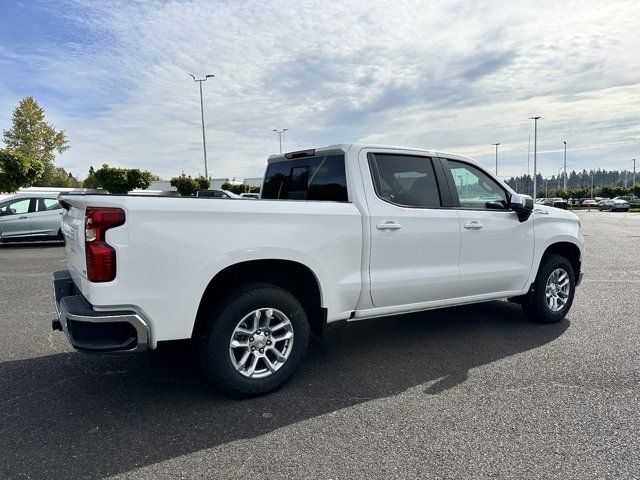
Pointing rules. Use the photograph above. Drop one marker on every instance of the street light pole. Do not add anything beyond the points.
(496, 145)
(280, 132)
(204, 138)
(535, 155)
(565, 167)
(528, 156)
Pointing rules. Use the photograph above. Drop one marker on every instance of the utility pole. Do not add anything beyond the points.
(535, 155)
(592, 172)
(204, 139)
(634, 173)
(565, 167)
(496, 145)
(528, 155)
(280, 132)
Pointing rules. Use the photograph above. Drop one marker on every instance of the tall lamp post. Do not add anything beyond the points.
(528, 158)
(565, 167)
(280, 132)
(496, 145)
(535, 155)
(204, 138)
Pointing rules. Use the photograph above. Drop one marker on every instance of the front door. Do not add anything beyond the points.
(415, 240)
(496, 249)
(14, 218)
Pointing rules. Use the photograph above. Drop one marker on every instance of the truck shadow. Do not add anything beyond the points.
(73, 415)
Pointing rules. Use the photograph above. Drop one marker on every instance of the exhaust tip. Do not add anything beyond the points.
(56, 325)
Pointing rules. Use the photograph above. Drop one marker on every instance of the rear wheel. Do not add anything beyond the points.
(254, 340)
(553, 291)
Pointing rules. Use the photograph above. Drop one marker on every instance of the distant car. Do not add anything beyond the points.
(30, 217)
(250, 195)
(588, 201)
(555, 202)
(614, 205)
(216, 194)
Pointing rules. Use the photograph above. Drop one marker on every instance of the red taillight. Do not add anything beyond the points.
(101, 257)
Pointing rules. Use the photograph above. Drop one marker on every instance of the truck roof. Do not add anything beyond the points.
(344, 147)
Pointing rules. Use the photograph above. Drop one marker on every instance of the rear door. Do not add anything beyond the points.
(47, 219)
(15, 218)
(496, 250)
(415, 236)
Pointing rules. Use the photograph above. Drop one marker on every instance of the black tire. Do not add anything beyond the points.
(220, 323)
(535, 303)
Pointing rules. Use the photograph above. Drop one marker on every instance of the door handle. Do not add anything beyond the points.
(22, 218)
(389, 226)
(473, 225)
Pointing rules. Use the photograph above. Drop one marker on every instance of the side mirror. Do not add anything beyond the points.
(522, 205)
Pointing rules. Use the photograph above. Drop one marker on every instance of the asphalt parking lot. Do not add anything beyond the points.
(469, 392)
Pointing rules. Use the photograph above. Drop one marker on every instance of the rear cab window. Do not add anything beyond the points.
(320, 178)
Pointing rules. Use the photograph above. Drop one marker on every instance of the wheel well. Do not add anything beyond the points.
(569, 251)
(292, 276)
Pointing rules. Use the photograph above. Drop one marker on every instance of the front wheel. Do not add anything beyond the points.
(553, 291)
(254, 340)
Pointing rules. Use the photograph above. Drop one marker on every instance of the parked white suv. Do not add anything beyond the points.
(344, 232)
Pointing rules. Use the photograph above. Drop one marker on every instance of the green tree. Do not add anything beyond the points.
(187, 186)
(121, 180)
(240, 188)
(17, 171)
(91, 181)
(34, 138)
(59, 177)
(202, 183)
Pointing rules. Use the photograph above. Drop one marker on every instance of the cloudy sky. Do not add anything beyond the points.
(455, 76)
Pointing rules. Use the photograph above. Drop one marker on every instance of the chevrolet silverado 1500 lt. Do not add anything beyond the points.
(345, 232)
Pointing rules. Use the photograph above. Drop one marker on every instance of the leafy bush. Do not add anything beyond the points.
(187, 186)
(121, 180)
(240, 188)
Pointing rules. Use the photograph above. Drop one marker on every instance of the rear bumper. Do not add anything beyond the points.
(93, 331)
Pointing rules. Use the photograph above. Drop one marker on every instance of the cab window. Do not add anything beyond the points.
(405, 180)
(476, 189)
(312, 178)
(46, 204)
(16, 207)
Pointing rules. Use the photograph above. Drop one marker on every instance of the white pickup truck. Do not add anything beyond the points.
(345, 232)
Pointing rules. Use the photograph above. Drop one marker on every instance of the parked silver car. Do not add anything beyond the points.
(613, 205)
(30, 216)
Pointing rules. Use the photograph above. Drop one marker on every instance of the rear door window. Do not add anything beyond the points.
(405, 180)
(312, 178)
(45, 204)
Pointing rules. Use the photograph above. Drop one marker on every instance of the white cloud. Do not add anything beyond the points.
(434, 74)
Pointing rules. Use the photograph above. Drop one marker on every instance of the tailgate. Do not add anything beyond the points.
(73, 231)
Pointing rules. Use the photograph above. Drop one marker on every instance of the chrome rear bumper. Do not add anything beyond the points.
(93, 331)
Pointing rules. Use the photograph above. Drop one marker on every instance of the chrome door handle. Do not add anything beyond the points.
(389, 226)
(473, 225)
